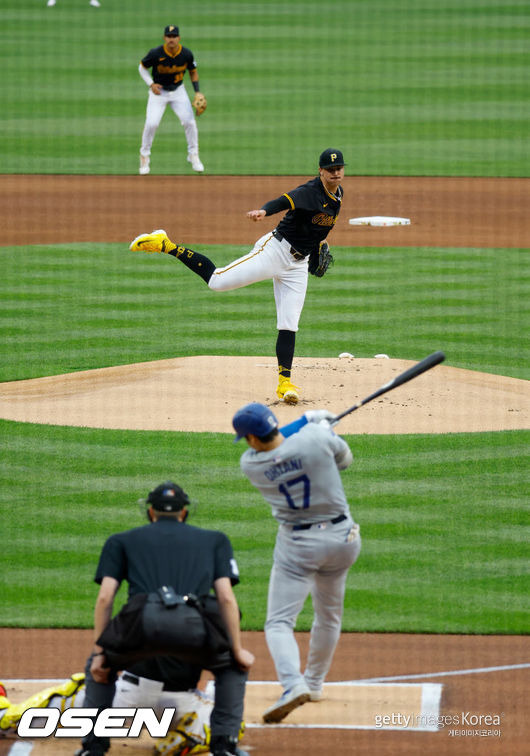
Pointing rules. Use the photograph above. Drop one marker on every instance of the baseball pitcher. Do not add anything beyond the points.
(296, 247)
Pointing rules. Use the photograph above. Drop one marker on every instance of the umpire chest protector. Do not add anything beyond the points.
(166, 563)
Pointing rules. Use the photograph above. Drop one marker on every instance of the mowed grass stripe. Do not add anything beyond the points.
(404, 89)
(433, 533)
(76, 307)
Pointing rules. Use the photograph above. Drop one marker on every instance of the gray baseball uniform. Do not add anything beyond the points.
(317, 543)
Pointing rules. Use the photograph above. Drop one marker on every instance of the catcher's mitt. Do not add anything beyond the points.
(199, 103)
(320, 261)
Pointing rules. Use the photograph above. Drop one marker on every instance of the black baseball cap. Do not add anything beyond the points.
(168, 497)
(331, 158)
(171, 31)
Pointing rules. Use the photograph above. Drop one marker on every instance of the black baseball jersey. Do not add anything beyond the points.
(312, 213)
(169, 69)
(168, 552)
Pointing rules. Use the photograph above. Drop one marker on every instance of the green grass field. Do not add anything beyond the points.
(60, 314)
(444, 518)
(408, 88)
(445, 536)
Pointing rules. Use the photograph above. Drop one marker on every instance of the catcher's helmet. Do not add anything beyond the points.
(254, 418)
(168, 497)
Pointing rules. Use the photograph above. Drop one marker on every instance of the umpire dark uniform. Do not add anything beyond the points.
(189, 561)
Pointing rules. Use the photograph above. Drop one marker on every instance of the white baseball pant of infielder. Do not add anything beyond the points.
(269, 259)
(180, 104)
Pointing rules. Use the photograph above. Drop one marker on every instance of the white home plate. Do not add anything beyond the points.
(354, 706)
(379, 220)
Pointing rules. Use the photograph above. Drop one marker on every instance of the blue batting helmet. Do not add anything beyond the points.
(254, 418)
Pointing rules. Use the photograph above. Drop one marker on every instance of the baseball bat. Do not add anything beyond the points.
(420, 367)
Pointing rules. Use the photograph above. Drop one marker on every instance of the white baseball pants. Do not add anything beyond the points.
(269, 259)
(150, 693)
(179, 102)
(315, 562)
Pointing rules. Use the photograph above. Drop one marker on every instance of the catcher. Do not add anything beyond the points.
(286, 254)
(169, 63)
(189, 731)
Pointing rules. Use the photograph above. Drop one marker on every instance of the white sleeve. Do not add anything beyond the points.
(144, 73)
(339, 448)
(342, 453)
(344, 458)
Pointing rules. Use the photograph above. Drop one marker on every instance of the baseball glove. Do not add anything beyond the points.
(199, 103)
(320, 261)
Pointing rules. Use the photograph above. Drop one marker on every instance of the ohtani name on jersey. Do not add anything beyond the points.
(282, 467)
(322, 219)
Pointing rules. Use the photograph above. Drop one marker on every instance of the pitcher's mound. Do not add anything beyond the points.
(202, 393)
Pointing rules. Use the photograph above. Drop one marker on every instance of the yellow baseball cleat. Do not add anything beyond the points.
(287, 391)
(156, 241)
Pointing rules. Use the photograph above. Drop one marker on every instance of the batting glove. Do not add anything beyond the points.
(316, 416)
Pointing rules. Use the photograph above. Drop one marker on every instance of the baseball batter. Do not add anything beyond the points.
(281, 255)
(168, 64)
(296, 469)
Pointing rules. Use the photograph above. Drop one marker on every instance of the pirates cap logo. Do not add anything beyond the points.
(330, 157)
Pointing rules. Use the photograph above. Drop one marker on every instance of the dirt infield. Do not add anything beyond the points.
(169, 395)
(444, 212)
(470, 670)
(457, 212)
(481, 677)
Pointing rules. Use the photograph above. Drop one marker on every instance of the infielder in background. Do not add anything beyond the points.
(284, 255)
(169, 63)
(296, 469)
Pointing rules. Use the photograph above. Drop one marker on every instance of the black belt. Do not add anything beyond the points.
(308, 525)
(134, 680)
(292, 250)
